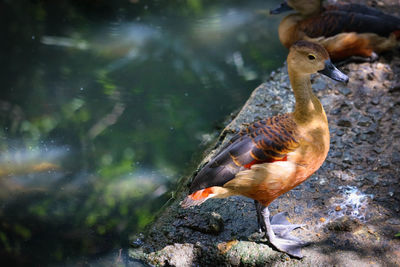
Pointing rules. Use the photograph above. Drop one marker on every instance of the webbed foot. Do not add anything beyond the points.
(278, 230)
(291, 247)
(282, 227)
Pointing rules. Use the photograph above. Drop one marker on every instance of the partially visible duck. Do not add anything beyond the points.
(274, 155)
(344, 30)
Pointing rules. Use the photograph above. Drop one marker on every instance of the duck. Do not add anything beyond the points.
(345, 30)
(274, 155)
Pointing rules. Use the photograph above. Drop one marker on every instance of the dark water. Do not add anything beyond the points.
(105, 105)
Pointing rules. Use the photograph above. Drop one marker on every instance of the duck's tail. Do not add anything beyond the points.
(197, 197)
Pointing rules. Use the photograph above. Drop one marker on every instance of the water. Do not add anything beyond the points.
(105, 105)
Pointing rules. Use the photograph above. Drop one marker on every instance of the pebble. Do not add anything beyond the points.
(344, 224)
(335, 111)
(370, 76)
(339, 132)
(297, 194)
(344, 122)
(358, 158)
(347, 158)
(298, 209)
(364, 121)
(339, 144)
(335, 154)
(363, 137)
(319, 85)
(384, 164)
(372, 140)
(371, 159)
(358, 104)
(396, 157)
(375, 100)
(393, 221)
(344, 91)
(357, 140)
(345, 177)
(373, 178)
(355, 130)
(376, 113)
(395, 88)
(372, 129)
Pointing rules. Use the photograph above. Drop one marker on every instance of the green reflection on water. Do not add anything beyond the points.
(106, 104)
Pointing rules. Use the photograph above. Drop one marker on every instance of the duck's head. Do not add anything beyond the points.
(307, 58)
(304, 7)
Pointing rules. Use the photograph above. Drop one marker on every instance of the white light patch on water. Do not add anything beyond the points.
(351, 202)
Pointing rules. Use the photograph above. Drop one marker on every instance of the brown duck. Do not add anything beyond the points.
(274, 155)
(347, 30)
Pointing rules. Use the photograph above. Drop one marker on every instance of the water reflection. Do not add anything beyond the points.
(104, 107)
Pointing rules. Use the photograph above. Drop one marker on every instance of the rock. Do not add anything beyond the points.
(395, 88)
(396, 157)
(344, 224)
(373, 178)
(297, 194)
(339, 132)
(364, 121)
(371, 159)
(319, 85)
(378, 149)
(137, 241)
(335, 154)
(344, 91)
(375, 100)
(344, 122)
(384, 164)
(298, 209)
(335, 111)
(393, 221)
(347, 158)
(172, 255)
(209, 223)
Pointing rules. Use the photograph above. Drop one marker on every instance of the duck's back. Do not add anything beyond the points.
(349, 18)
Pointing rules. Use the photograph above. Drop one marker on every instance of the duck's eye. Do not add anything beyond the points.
(311, 57)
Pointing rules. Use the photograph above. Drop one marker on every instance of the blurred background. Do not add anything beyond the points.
(105, 105)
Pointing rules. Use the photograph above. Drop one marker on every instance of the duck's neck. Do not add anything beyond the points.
(307, 104)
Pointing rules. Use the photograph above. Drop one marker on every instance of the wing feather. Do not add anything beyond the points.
(349, 18)
(267, 140)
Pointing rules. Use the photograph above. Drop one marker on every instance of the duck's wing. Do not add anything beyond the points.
(349, 18)
(267, 140)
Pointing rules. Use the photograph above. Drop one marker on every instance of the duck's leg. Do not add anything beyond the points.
(260, 219)
(278, 232)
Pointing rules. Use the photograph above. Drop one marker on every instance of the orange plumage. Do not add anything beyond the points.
(344, 30)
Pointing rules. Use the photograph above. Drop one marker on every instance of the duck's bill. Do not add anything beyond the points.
(332, 72)
(281, 9)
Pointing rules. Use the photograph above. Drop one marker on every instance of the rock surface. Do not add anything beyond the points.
(350, 206)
